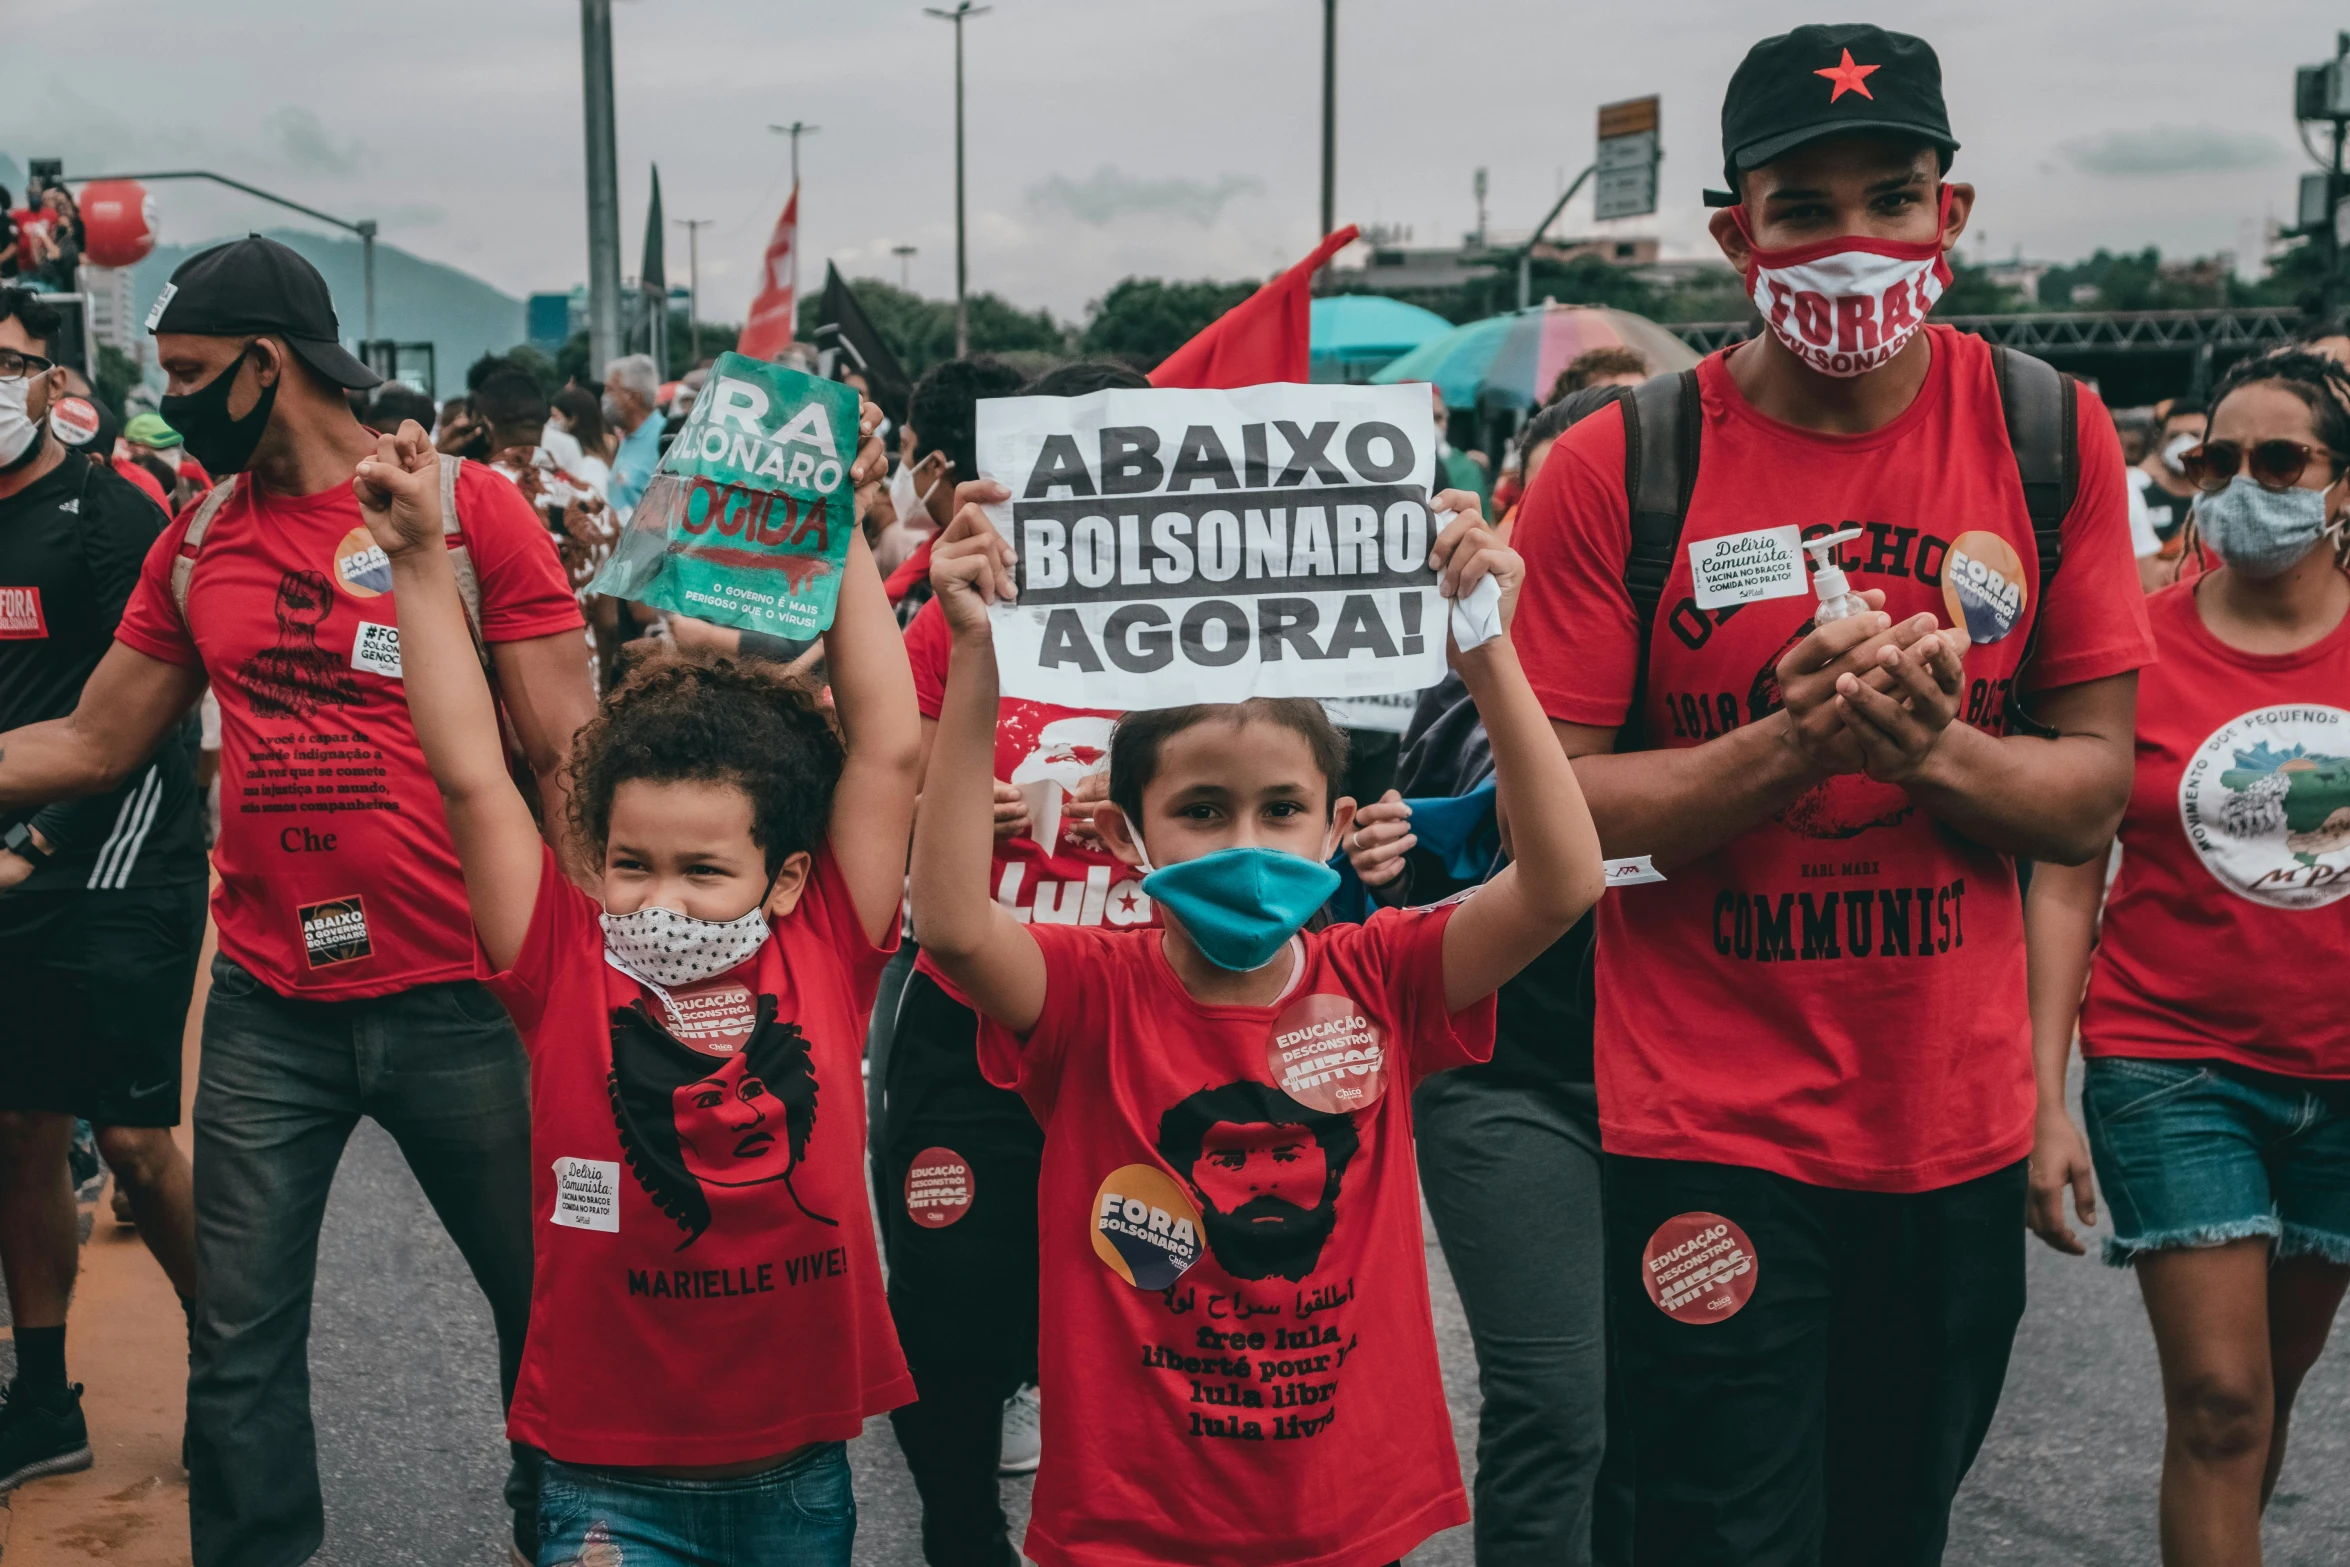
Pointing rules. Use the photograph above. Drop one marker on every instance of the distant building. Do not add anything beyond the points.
(113, 310)
(1393, 266)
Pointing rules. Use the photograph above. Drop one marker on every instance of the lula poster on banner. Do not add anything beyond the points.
(1208, 546)
(747, 521)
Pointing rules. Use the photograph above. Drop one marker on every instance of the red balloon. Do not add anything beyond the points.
(118, 222)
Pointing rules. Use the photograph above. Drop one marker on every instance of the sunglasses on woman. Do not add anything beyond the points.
(2274, 465)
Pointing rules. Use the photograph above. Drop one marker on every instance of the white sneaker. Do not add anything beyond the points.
(1023, 1433)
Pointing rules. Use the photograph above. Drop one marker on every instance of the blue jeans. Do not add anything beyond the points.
(2200, 1153)
(281, 1084)
(798, 1514)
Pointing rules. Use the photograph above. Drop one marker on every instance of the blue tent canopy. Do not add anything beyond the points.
(1355, 334)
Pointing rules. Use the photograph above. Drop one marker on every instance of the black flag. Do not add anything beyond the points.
(846, 339)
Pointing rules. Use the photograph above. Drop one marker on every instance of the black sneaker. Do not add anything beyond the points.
(37, 1440)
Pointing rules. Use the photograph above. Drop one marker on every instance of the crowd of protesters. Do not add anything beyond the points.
(673, 955)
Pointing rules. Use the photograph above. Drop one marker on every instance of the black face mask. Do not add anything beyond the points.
(221, 443)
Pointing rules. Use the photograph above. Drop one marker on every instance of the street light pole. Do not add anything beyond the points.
(693, 278)
(962, 265)
(603, 186)
(363, 227)
(795, 130)
(1329, 115)
(905, 255)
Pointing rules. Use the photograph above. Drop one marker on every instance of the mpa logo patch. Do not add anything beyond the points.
(2266, 803)
(334, 931)
(1145, 1227)
(21, 619)
(362, 568)
(1983, 586)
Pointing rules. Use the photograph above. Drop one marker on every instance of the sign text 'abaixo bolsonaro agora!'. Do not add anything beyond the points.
(1208, 546)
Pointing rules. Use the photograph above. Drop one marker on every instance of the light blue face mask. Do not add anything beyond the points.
(1239, 905)
(2261, 533)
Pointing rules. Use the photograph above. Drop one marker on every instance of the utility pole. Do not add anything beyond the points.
(1329, 115)
(905, 255)
(962, 253)
(603, 186)
(693, 278)
(795, 130)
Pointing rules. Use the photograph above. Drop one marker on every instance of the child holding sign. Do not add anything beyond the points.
(707, 1324)
(1238, 1363)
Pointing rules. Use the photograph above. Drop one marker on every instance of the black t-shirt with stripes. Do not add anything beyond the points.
(71, 544)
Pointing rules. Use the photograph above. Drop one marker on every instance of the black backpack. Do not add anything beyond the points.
(1662, 423)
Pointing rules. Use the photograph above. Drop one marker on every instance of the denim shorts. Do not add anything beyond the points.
(799, 1514)
(2200, 1153)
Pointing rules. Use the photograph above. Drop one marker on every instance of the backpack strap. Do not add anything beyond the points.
(183, 566)
(2041, 407)
(1663, 419)
(461, 560)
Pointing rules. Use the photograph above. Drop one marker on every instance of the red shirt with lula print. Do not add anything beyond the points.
(1047, 875)
(1237, 1358)
(1836, 995)
(707, 1289)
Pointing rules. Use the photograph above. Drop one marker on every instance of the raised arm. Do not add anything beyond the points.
(989, 956)
(873, 692)
(1554, 873)
(456, 721)
(2060, 933)
(127, 706)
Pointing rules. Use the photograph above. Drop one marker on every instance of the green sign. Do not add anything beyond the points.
(747, 521)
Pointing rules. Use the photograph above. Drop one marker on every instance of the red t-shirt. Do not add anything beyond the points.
(337, 877)
(2225, 932)
(1838, 994)
(1046, 750)
(911, 570)
(1250, 1385)
(706, 1287)
(137, 473)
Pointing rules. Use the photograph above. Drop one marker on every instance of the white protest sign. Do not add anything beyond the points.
(1208, 546)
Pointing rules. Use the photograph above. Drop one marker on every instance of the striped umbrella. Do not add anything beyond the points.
(1511, 361)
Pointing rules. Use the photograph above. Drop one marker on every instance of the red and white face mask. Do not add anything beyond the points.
(1846, 306)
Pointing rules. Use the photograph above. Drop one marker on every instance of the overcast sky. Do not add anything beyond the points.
(1107, 137)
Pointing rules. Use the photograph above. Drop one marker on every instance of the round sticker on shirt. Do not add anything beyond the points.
(1983, 586)
(939, 1188)
(2266, 803)
(1699, 1268)
(1145, 1227)
(1327, 1055)
(363, 569)
(74, 420)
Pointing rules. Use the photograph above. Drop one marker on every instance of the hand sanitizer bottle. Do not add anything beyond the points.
(1837, 600)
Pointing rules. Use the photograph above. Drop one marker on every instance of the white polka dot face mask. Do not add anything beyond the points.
(667, 949)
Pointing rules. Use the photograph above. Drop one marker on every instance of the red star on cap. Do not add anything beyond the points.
(1848, 77)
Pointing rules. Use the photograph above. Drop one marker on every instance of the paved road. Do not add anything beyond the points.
(408, 1419)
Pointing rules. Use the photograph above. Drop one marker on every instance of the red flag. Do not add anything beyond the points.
(768, 331)
(1263, 338)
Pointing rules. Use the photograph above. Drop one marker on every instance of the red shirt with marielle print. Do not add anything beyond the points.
(1047, 875)
(337, 876)
(706, 1287)
(1237, 1359)
(2224, 934)
(1836, 995)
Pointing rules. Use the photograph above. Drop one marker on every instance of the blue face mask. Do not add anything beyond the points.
(2261, 533)
(1239, 905)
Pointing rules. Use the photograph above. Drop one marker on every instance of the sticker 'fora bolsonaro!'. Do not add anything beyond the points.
(1983, 586)
(1145, 1227)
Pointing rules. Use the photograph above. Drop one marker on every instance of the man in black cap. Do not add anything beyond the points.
(1812, 1042)
(344, 985)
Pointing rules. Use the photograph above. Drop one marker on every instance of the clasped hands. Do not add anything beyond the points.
(1869, 694)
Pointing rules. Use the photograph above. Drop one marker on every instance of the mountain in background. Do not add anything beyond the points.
(415, 300)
